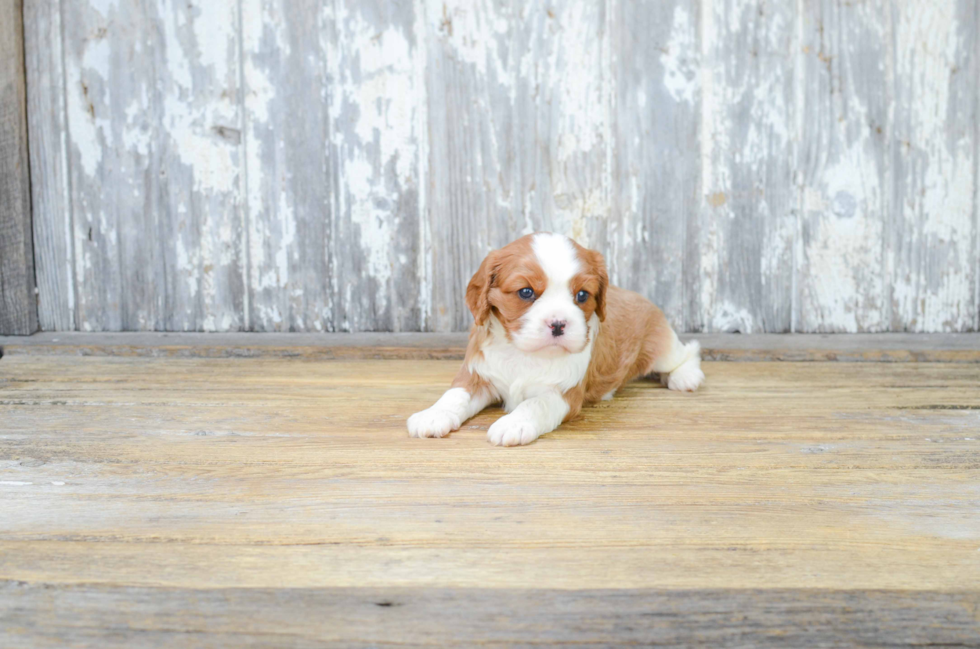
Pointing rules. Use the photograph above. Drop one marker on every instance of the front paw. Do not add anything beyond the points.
(432, 423)
(511, 431)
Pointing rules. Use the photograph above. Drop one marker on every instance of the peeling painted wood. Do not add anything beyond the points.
(653, 237)
(287, 166)
(344, 166)
(152, 98)
(377, 104)
(332, 110)
(932, 254)
(519, 119)
(18, 305)
(845, 167)
(748, 217)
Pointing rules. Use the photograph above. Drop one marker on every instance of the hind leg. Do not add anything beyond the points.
(680, 365)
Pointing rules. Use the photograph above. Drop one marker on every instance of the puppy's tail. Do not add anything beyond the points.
(686, 374)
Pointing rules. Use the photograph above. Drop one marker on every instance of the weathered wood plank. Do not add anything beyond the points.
(749, 200)
(39, 615)
(153, 117)
(269, 501)
(377, 102)
(932, 255)
(750, 166)
(519, 122)
(933, 348)
(234, 473)
(18, 305)
(846, 167)
(653, 239)
(288, 166)
(333, 101)
(50, 194)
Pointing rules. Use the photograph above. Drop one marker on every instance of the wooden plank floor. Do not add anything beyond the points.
(272, 502)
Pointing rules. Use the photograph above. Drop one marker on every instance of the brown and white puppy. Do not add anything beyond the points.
(550, 335)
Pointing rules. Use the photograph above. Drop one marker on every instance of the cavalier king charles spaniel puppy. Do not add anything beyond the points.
(551, 335)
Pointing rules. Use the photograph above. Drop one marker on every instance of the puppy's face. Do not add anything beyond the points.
(544, 289)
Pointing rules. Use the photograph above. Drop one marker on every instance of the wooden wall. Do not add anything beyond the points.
(18, 307)
(301, 165)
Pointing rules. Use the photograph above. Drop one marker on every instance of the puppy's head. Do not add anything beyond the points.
(543, 289)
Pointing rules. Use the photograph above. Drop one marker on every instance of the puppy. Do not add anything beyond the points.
(551, 335)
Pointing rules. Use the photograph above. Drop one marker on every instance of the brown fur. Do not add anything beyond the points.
(494, 286)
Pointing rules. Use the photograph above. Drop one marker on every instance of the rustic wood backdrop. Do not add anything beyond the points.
(281, 165)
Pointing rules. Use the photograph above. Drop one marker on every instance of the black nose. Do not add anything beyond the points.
(557, 328)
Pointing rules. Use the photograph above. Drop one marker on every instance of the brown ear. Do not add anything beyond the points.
(599, 264)
(478, 290)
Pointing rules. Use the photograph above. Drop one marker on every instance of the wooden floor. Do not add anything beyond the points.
(279, 502)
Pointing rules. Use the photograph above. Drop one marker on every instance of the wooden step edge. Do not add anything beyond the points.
(939, 348)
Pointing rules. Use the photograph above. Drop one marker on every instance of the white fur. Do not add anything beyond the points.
(447, 414)
(516, 376)
(680, 368)
(531, 419)
(559, 261)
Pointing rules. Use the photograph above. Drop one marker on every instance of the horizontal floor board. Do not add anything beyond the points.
(276, 617)
(959, 348)
(780, 499)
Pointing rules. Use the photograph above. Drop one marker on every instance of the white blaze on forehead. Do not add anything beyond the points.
(557, 257)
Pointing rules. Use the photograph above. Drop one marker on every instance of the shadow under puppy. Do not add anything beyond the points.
(550, 335)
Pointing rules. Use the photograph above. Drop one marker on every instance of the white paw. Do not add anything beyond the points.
(432, 423)
(686, 378)
(511, 431)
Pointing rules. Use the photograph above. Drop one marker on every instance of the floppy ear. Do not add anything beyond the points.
(599, 264)
(478, 290)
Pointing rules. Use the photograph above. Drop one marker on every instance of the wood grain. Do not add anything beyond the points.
(846, 168)
(49, 141)
(153, 116)
(751, 166)
(925, 348)
(653, 241)
(156, 617)
(519, 115)
(18, 305)
(332, 106)
(831, 499)
(935, 156)
(748, 216)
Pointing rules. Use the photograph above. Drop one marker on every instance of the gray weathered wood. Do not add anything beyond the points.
(49, 139)
(333, 102)
(931, 263)
(288, 166)
(748, 219)
(154, 121)
(653, 239)
(18, 306)
(845, 167)
(344, 166)
(48, 615)
(519, 118)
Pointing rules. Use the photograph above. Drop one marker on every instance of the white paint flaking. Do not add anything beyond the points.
(681, 70)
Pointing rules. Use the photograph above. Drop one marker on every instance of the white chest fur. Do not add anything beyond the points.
(517, 376)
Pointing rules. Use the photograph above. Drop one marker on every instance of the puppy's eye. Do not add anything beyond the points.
(526, 293)
(582, 296)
